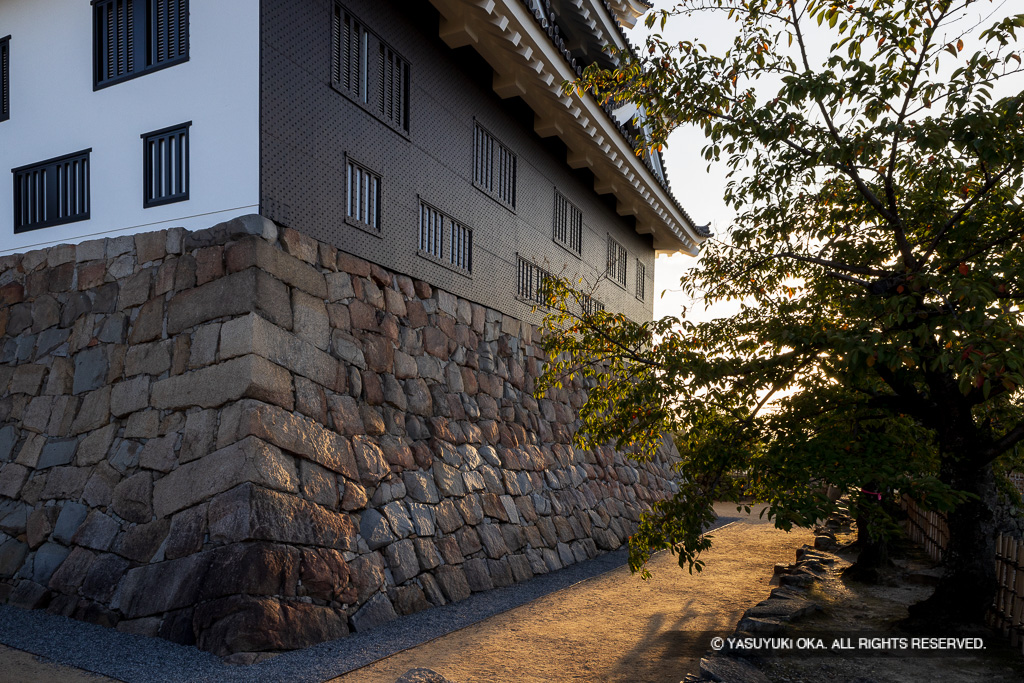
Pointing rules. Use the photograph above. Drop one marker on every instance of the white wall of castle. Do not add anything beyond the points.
(55, 111)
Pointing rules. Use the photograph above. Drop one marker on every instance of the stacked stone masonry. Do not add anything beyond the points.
(244, 439)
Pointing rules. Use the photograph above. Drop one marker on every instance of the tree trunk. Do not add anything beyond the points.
(873, 560)
(968, 586)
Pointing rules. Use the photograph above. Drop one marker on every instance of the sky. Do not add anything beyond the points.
(699, 188)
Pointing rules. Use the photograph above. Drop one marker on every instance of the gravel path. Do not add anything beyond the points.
(139, 659)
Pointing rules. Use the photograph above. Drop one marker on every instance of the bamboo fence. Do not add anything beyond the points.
(929, 530)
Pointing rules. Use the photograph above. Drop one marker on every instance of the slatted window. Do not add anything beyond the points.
(381, 85)
(641, 280)
(393, 78)
(445, 240)
(52, 192)
(530, 281)
(5, 78)
(165, 166)
(363, 202)
(494, 167)
(568, 224)
(616, 262)
(351, 42)
(132, 37)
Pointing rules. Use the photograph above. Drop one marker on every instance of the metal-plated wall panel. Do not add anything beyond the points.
(308, 128)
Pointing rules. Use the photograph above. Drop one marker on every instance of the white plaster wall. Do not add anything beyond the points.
(54, 111)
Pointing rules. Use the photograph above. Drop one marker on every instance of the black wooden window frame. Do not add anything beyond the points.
(51, 191)
(144, 55)
(495, 167)
(443, 240)
(374, 186)
(567, 225)
(365, 71)
(5, 78)
(641, 280)
(618, 259)
(180, 171)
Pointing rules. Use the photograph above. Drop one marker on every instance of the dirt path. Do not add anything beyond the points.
(614, 627)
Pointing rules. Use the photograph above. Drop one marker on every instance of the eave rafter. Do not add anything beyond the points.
(527, 64)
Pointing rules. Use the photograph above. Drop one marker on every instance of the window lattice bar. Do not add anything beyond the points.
(641, 280)
(5, 78)
(494, 167)
(394, 87)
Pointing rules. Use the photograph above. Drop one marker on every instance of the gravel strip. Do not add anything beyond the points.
(139, 659)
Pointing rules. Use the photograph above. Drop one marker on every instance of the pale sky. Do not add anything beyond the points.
(700, 190)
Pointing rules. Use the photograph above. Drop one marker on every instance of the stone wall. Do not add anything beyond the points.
(247, 440)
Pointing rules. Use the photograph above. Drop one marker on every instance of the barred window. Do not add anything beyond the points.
(494, 167)
(131, 37)
(590, 305)
(52, 192)
(443, 239)
(5, 78)
(166, 173)
(381, 87)
(530, 281)
(641, 280)
(363, 202)
(616, 262)
(568, 224)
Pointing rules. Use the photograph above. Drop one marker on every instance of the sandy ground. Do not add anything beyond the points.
(614, 627)
(23, 667)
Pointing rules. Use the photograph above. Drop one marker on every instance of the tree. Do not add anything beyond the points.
(876, 257)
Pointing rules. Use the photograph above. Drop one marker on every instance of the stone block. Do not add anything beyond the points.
(47, 559)
(377, 611)
(299, 435)
(318, 484)
(253, 253)
(200, 435)
(12, 478)
(325, 575)
(452, 581)
(374, 529)
(149, 324)
(158, 454)
(250, 512)
(246, 376)
(132, 499)
(309, 319)
(402, 562)
(255, 624)
(477, 575)
(68, 521)
(97, 532)
(247, 291)
(253, 569)
(90, 370)
(248, 461)
(153, 358)
(493, 541)
(254, 335)
(129, 396)
(370, 461)
(65, 483)
(163, 586)
(141, 542)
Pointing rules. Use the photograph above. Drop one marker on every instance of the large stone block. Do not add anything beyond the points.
(299, 435)
(252, 624)
(250, 512)
(252, 252)
(209, 387)
(254, 335)
(248, 461)
(249, 291)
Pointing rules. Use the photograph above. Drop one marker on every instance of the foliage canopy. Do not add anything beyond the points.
(876, 260)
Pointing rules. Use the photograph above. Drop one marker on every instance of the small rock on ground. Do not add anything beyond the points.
(422, 675)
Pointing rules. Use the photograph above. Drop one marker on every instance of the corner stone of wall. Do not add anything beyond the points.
(247, 440)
